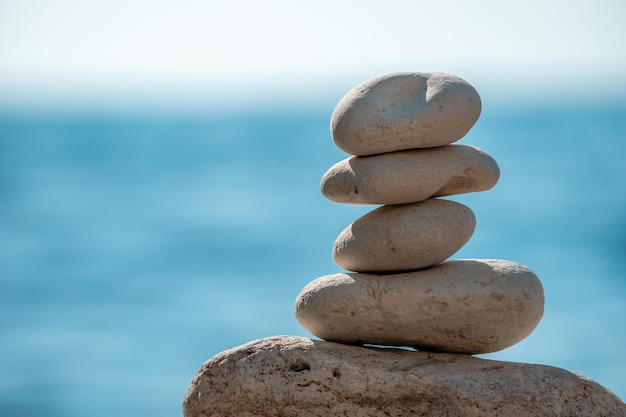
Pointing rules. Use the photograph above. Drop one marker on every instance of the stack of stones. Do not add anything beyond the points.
(402, 292)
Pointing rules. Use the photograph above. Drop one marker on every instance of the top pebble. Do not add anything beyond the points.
(406, 110)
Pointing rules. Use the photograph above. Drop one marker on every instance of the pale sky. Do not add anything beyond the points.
(73, 50)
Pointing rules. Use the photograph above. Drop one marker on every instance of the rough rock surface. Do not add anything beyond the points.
(404, 111)
(287, 376)
(463, 306)
(410, 176)
(404, 237)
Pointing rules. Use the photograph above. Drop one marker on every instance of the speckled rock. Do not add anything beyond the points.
(404, 237)
(404, 111)
(287, 376)
(462, 306)
(410, 176)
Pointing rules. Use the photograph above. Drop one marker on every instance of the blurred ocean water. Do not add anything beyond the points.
(134, 248)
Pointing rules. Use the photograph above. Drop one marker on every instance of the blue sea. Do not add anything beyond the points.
(135, 247)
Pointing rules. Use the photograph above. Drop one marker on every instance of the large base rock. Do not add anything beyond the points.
(294, 376)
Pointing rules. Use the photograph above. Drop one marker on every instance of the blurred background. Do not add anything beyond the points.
(160, 165)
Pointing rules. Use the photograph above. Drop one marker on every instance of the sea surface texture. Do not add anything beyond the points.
(134, 248)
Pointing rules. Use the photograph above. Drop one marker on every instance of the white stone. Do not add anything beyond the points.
(404, 111)
(287, 376)
(463, 306)
(410, 176)
(404, 237)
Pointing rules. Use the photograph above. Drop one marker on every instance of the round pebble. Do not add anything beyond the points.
(404, 111)
(404, 237)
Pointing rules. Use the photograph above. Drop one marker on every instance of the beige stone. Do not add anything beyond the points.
(287, 376)
(463, 306)
(404, 237)
(404, 111)
(410, 176)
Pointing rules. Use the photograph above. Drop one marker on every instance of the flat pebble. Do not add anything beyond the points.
(404, 111)
(410, 176)
(464, 306)
(404, 237)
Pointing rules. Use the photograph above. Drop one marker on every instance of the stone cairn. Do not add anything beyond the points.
(402, 289)
(399, 129)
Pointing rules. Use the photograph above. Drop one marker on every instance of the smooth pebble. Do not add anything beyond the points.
(404, 110)
(410, 176)
(463, 306)
(404, 237)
